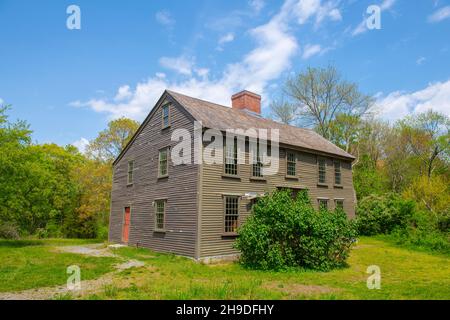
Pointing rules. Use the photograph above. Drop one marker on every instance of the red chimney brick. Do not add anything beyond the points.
(247, 100)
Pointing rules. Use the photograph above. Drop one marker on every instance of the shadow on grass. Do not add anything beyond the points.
(20, 243)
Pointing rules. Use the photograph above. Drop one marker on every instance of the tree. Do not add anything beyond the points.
(345, 130)
(283, 111)
(320, 95)
(428, 138)
(111, 141)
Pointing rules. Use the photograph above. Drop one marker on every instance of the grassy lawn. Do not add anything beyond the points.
(27, 264)
(405, 274)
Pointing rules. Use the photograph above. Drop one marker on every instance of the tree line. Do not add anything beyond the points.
(50, 190)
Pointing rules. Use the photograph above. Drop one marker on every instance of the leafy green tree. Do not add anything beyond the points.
(111, 141)
(428, 138)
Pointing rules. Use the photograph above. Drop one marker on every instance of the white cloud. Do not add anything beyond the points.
(1, 101)
(81, 144)
(226, 38)
(229, 37)
(362, 27)
(311, 50)
(439, 15)
(165, 18)
(420, 61)
(275, 48)
(436, 96)
(387, 4)
(182, 64)
(257, 5)
(123, 93)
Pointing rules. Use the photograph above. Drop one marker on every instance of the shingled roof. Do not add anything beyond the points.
(215, 116)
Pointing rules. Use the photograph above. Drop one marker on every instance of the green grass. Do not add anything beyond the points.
(405, 274)
(27, 264)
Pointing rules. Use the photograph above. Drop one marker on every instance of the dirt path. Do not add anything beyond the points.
(87, 286)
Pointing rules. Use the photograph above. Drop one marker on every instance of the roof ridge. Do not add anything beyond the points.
(236, 110)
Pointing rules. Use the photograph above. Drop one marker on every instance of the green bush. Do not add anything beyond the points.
(8, 231)
(283, 232)
(383, 214)
(102, 232)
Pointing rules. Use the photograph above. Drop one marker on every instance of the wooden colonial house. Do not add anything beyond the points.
(194, 209)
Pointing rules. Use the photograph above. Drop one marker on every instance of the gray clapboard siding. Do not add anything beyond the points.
(180, 190)
(213, 243)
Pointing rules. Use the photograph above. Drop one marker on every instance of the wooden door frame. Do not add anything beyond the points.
(123, 223)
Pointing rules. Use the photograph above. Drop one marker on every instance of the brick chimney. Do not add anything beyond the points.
(246, 100)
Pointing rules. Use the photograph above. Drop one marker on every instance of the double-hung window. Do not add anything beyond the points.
(231, 158)
(323, 204)
(322, 170)
(166, 116)
(291, 164)
(160, 214)
(339, 204)
(163, 163)
(337, 173)
(231, 213)
(257, 163)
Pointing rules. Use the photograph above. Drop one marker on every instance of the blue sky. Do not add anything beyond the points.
(69, 83)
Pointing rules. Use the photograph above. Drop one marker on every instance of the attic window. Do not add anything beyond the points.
(166, 116)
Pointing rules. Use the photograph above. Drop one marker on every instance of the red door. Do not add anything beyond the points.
(126, 225)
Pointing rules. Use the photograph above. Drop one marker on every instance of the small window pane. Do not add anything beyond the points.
(231, 214)
(160, 214)
(163, 162)
(291, 164)
(130, 171)
(322, 171)
(337, 173)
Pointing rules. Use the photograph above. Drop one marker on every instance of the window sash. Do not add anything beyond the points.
(339, 204)
(322, 171)
(231, 218)
(231, 160)
(130, 172)
(291, 164)
(163, 163)
(323, 204)
(257, 164)
(165, 116)
(160, 213)
(337, 173)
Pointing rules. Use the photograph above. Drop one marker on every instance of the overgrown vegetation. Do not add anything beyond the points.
(52, 191)
(283, 232)
(404, 222)
(401, 174)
